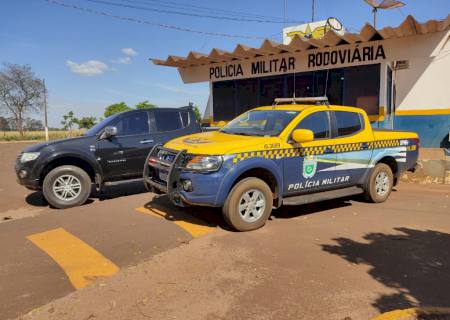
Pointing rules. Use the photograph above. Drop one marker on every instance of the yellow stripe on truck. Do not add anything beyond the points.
(82, 263)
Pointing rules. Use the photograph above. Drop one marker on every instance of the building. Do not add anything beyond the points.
(399, 75)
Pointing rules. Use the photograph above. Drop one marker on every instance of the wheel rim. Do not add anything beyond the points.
(67, 187)
(382, 183)
(252, 205)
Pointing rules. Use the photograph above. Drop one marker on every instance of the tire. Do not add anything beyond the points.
(249, 220)
(61, 198)
(379, 191)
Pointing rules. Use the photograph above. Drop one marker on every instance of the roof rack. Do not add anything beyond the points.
(189, 106)
(302, 100)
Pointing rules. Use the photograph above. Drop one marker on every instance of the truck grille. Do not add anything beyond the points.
(159, 171)
(159, 162)
(165, 156)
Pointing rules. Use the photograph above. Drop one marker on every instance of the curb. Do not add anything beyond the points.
(428, 313)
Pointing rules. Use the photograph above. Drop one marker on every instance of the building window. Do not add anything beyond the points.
(271, 88)
(224, 100)
(353, 86)
(245, 99)
(362, 87)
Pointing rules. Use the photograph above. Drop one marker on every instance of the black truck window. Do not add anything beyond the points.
(184, 118)
(168, 120)
(133, 124)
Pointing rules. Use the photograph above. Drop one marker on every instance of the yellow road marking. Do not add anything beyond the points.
(412, 312)
(82, 263)
(194, 227)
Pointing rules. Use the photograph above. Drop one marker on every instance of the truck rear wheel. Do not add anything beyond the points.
(66, 186)
(248, 205)
(380, 183)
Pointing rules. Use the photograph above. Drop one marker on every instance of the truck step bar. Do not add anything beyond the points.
(320, 196)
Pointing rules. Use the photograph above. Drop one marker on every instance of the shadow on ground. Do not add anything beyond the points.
(415, 263)
(205, 216)
(211, 216)
(120, 189)
(36, 199)
(289, 212)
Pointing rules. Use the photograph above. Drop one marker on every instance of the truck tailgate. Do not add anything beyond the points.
(383, 134)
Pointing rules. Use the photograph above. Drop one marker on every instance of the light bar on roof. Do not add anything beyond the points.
(295, 100)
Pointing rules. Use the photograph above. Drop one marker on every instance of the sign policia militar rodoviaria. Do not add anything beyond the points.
(287, 63)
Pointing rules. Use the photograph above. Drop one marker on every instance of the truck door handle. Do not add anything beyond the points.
(146, 141)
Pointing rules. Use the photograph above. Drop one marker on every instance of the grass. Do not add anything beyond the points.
(38, 135)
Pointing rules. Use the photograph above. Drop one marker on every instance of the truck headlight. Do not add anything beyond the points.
(29, 156)
(204, 163)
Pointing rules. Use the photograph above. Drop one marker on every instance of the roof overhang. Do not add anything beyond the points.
(409, 27)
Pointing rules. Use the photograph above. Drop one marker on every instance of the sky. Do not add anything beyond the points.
(90, 61)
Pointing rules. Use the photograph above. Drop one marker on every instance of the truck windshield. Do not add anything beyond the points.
(267, 123)
(99, 126)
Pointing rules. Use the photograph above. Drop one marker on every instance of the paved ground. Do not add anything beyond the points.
(135, 257)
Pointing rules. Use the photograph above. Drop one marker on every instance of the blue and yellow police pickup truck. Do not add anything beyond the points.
(285, 154)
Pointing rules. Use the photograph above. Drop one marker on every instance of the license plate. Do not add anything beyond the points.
(162, 176)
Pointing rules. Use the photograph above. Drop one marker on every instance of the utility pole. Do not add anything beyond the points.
(313, 10)
(284, 13)
(45, 112)
(374, 17)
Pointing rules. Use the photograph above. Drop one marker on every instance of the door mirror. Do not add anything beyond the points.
(302, 135)
(109, 132)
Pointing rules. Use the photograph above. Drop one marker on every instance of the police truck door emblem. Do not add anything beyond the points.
(309, 167)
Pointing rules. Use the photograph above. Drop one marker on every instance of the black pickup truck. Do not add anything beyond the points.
(114, 149)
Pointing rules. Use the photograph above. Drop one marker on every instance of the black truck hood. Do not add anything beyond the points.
(63, 143)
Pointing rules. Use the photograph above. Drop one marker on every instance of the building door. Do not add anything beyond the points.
(388, 117)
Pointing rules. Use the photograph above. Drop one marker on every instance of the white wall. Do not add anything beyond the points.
(426, 84)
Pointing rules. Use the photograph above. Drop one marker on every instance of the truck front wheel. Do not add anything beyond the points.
(379, 184)
(66, 186)
(248, 205)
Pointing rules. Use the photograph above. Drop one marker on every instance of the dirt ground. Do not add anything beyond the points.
(340, 259)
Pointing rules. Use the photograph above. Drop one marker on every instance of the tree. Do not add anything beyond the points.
(146, 105)
(33, 124)
(86, 122)
(198, 115)
(69, 120)
(20, 92)
(4, 125)
(116, 108)
(11, 123)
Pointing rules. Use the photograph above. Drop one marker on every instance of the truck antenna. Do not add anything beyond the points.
(293, 96)
(326, 87)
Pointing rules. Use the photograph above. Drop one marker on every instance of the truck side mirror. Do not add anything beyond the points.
(302, 135)
(109, 132)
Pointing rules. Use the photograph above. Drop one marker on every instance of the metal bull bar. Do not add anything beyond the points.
(172, 185)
